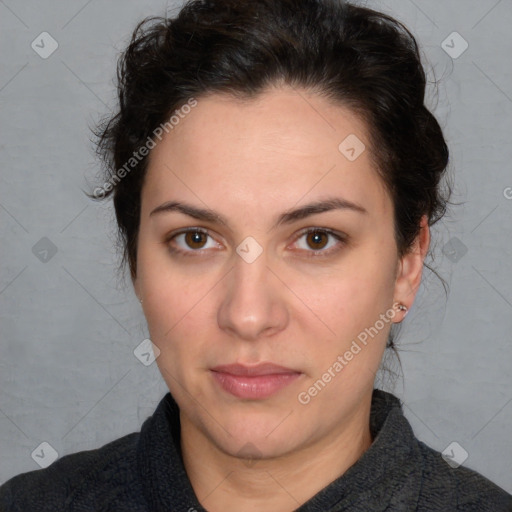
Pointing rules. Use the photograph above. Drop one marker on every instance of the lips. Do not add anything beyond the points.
(251, 371)
(253, 382)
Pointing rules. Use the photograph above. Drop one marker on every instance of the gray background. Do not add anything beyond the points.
(69, 325)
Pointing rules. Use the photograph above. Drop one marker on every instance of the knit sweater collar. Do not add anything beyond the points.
(389, 463)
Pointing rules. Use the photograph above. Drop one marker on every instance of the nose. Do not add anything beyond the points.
(254, 304)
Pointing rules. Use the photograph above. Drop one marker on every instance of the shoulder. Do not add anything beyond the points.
(469, 490)
(81, 476)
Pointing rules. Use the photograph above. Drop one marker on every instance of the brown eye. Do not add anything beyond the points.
(317, 239)
(195, 239)
(192, 242)
(317, 242)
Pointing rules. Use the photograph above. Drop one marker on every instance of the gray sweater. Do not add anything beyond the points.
(144, 472)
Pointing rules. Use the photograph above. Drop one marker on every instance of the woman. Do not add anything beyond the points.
(274, 173)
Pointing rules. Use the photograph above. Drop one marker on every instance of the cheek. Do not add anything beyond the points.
(354, 293)
(178, 326)
(177, 307)
(177, 316)
(169, 293)
(347, 306)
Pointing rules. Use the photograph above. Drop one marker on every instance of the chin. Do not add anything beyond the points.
(256, 437)
(253, 448)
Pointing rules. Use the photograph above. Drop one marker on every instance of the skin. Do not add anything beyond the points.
(299, 305)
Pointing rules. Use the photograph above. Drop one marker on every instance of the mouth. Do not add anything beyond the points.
(253, 382)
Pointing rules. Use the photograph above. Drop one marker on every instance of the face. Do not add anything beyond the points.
(268, 270)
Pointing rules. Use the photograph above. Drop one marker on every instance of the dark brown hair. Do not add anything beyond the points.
(360, 58)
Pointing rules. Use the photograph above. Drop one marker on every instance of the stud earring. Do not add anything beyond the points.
(401, 307)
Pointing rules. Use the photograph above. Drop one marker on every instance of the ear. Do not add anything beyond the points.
(410, 267)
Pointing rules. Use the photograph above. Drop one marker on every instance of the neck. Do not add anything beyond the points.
(223, 482)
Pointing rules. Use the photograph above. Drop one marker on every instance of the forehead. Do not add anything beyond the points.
(274, 149)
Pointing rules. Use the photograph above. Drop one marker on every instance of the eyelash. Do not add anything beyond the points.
(312, 253)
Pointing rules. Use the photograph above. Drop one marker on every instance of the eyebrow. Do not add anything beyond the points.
(288, 217)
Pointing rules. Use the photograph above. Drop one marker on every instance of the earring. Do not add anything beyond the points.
(140, 300)
(401, 307)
